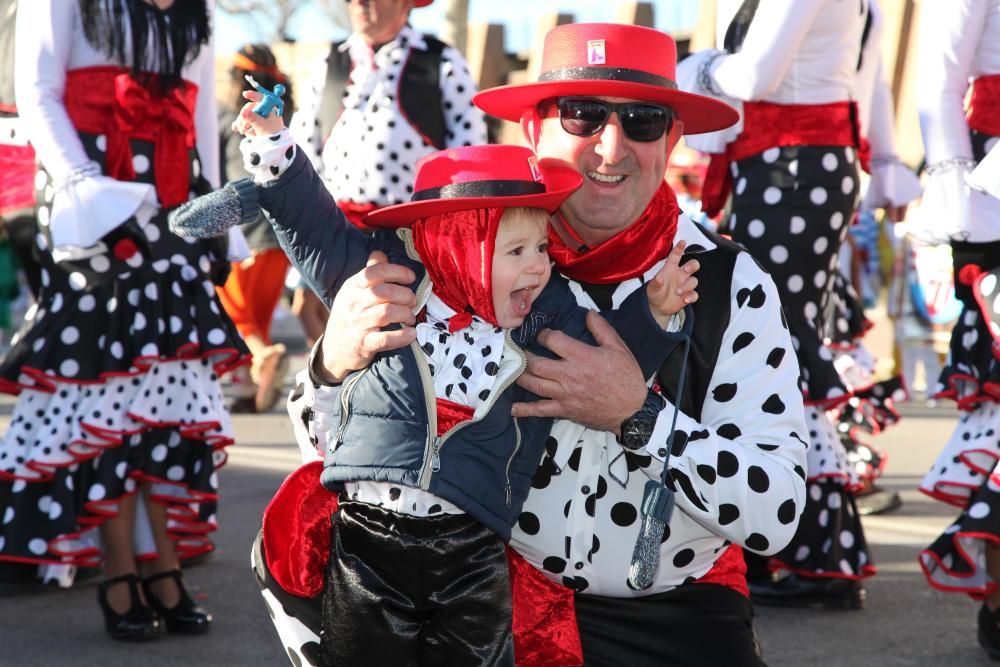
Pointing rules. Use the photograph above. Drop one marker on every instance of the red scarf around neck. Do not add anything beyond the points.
(628, 254)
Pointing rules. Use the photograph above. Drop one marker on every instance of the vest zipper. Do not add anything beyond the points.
(510, 460)
(345, 398)
(435, 444)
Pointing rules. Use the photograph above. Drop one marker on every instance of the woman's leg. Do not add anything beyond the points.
(119, 554)
(166, 560)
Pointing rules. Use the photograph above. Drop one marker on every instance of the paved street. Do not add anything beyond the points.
(906, 622)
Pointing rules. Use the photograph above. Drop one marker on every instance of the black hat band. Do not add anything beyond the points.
(607, 74)
(475, 189)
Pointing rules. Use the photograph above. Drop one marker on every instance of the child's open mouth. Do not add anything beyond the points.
(520, 301)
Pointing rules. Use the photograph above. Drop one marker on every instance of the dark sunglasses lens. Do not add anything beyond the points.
(642, 122)
(582, 118)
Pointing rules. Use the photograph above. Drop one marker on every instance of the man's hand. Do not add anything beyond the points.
(597, 386)
(371, 299)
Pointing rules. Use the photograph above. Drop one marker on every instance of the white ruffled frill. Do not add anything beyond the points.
(86, 208)
(892, 183)
(986, 176)
(688, 80)
(951, 209)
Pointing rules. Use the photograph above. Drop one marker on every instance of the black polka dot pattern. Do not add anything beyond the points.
(722, 476)
(791, 210)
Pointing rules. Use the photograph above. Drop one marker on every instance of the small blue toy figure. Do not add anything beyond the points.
(272, 100)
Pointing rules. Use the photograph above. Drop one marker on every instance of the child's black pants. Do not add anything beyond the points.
(406, 590)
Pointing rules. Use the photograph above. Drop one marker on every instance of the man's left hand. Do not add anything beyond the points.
(599, 386)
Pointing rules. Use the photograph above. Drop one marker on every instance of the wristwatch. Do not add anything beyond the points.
(638, 429)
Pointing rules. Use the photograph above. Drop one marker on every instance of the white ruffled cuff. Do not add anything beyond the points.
(892, 184)
(268, 157)
(950, 209)
(691, 77)
(986, 176)
(87, 206)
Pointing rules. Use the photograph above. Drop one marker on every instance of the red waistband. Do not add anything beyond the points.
(17, 178)
(984, 107)
(730, 570)
(450, 413)
(768, 125)
(108, 100)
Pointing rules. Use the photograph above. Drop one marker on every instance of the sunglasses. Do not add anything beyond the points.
(586, 116)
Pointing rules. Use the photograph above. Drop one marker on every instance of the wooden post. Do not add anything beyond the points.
(546, 23)
(488, 63)
(703, 36)
(635, 13)
(456, 20)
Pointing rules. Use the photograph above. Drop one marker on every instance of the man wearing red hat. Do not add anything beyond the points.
(649, 586)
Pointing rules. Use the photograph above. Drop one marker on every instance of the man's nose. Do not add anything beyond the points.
(611, 141)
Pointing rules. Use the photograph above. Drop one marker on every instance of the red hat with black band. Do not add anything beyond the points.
(609, 60)
(475, 177)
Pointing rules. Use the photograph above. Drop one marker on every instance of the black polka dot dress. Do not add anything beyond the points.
(967, 472)
(791, 209)
(117, 370)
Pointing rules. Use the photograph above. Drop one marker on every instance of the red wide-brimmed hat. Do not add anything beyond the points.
(472, 177)
(609, 60)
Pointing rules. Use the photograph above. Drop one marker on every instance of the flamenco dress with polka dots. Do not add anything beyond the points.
(871, 408)
(793, 172)
(967, 471)
(116, 368)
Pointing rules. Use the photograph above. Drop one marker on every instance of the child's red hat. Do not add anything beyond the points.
(474, 177)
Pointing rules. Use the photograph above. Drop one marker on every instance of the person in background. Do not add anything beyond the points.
(111, 454)
(255, 285)
(376, 103)
(792, 171)
(958, 52)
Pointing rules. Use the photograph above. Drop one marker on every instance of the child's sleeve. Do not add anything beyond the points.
(325, 248)
(645, 338)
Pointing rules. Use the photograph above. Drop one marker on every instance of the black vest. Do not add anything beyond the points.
(419, 91)
(711, 318)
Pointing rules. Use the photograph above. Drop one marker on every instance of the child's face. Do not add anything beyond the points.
(521, 265)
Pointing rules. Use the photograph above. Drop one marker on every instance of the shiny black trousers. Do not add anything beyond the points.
(697, 625)
(405, 590)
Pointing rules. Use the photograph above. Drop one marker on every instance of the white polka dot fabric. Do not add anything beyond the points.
(740, 477)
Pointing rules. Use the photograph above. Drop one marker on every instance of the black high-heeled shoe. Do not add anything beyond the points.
(185, 617)
(138, 623)
(989, 632)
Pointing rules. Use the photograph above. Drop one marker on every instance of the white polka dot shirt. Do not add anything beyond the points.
(370, 155)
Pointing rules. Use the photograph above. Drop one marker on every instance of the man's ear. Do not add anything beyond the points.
(674, 136)
(531, 127)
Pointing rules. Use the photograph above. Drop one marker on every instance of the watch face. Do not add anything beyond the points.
(637, 432)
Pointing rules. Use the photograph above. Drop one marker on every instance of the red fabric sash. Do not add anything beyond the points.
(767, 125)
(984, 107)
(107, 100)
(628, 254)
(730, 570)
(17, 178)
